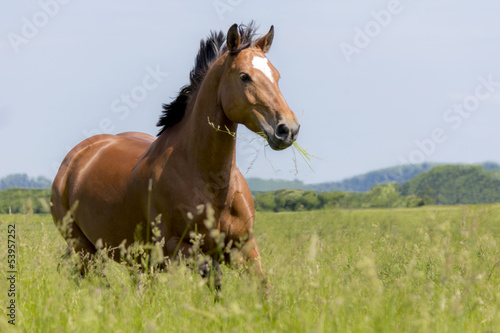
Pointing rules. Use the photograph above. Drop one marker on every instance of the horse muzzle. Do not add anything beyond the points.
(285, 134)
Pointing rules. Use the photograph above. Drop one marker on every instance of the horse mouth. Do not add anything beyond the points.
(279, 144)
(276, 143)
(280, 134)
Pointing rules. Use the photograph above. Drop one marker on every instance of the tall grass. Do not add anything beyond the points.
(433, 269)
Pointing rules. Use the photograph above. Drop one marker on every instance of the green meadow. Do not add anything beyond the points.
(428, 269)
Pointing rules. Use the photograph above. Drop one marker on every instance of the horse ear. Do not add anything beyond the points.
(265, 42)
(233, 38)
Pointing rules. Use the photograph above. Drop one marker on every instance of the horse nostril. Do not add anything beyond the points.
(282, 132)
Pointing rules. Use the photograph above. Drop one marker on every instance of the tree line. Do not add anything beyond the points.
(380, 196)
(21, 180)
(25, 200)
(442, 185)
(361, 183)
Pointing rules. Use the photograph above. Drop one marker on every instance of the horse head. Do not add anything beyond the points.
(249, 92)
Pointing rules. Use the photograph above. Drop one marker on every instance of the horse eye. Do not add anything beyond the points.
(245, 77)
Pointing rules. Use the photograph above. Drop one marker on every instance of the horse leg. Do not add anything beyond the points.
(250, 256)
(77, 241)
(217, 275)
(176, 246)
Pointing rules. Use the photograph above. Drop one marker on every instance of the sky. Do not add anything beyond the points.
(373, 83)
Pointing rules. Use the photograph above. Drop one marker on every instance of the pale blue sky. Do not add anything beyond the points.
(373, 83)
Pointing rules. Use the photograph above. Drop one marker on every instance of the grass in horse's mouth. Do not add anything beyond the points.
(296, 147)
(305, 155)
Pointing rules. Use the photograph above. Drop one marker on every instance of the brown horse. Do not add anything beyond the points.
(121, 182)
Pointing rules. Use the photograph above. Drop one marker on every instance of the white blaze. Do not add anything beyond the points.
(262, 64)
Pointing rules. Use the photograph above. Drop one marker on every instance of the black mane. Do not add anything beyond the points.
(210, 50)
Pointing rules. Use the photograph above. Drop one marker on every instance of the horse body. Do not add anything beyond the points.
(187, 175)
(109, 176)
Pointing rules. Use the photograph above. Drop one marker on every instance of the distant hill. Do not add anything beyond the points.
(267, 185)
(360, 183)
(491, 166)
(23, 181)
(442, 185)
(456, 184)
(363, 183)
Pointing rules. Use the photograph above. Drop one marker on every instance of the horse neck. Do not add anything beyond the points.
(210, 150)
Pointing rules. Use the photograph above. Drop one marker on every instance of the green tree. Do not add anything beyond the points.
(456, 184)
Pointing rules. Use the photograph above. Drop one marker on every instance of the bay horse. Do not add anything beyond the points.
(121, 182)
